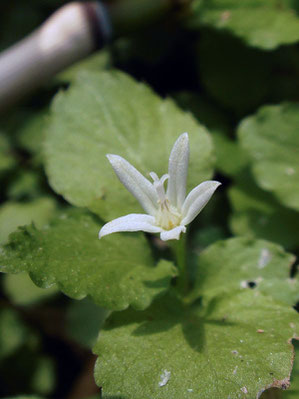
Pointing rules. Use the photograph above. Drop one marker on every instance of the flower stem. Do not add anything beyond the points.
(179, 251)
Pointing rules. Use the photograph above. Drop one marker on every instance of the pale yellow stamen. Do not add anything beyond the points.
(167, 216)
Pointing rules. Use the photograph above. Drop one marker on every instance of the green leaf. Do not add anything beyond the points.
(231, 158)
(15, 214)
(279, 226)
(239, 263)
(244, 79)
(20, 289)
(194, 352)
(245, 194)
(283, 290)
(115, 272)
(264, 24)
(271, 139)
(256, 213)
(84, 320)
(109, 112)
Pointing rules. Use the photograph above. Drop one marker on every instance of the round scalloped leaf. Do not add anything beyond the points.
(115, 272)
(264, 24)
(109, 112)
(236, 348)
(244, 263)
(272, 141)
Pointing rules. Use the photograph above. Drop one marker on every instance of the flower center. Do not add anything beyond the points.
(167, 215)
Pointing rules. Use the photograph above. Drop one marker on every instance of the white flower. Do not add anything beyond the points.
(167, 212)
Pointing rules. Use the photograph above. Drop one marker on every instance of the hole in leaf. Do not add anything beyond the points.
(251, 284)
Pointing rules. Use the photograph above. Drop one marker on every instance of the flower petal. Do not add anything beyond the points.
(178, 170)
(173, 234)
(135, 182)
(131, 222)
(197, 199)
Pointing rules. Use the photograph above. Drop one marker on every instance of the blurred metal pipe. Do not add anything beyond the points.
(70, 34)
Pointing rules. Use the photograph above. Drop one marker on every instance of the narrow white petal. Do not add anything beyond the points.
(173, 234)
(135, 182)
(131, 222)
(197, 199)
(178, 170)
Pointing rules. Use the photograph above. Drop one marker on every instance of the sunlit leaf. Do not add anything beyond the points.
(109, 112)
(264, 24)
(237, 347)
(243, 263)
(272, 141)
(115, 272)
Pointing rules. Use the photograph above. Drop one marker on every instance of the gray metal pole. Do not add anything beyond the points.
(70, 34)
